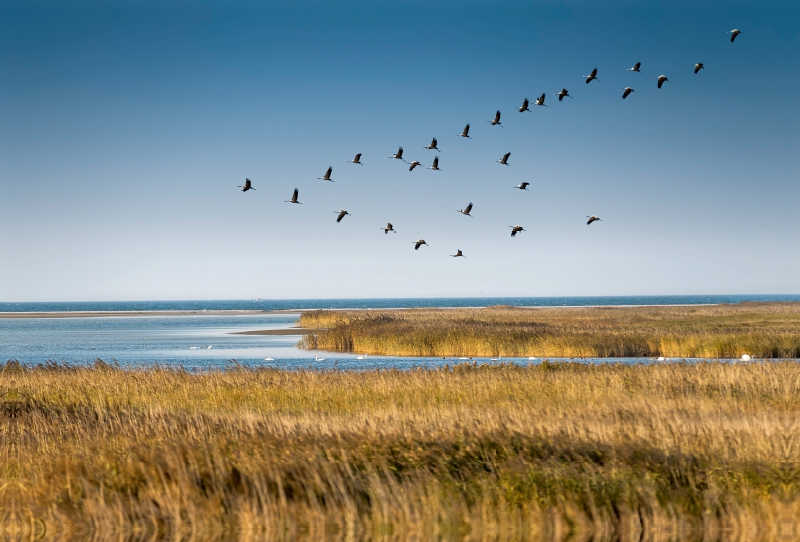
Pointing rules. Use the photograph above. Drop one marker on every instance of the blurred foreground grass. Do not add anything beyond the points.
(665, 451)
(763, 330)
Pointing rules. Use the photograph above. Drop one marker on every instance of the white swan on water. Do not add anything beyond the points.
(362, 357)
(317, 358)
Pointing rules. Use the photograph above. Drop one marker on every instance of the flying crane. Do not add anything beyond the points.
(294, 198)
(504, 159)
(466, 210)
(433, 145)
(591, 77)
(248, 185)
(327, 176)
(496, 120)
(342, 214)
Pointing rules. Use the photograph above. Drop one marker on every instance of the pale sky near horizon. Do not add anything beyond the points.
(125, 128)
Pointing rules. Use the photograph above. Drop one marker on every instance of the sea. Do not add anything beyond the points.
(210, 341)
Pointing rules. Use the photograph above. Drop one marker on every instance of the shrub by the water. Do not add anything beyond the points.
(763, 330)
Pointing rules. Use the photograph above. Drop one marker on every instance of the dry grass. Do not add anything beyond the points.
(476, 452)
(764, 330)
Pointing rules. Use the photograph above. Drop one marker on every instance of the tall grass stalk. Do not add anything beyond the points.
(465, 452)
(763, 330)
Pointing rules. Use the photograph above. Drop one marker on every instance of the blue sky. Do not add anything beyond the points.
(126, 126)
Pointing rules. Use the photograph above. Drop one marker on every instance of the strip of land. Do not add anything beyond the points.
(761, 330)
(656, 452)
(100, 314)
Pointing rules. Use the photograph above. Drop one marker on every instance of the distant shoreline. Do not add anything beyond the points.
(101, 314)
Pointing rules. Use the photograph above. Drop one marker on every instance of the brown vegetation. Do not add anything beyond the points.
(478, 452)
(763, 330)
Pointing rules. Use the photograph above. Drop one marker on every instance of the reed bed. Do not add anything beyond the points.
(763, 330)
(466, 452)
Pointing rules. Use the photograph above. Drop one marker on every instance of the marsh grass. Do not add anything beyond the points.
(466, 452)
(763, 330)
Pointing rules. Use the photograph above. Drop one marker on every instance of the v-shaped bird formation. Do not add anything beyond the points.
(434, 145)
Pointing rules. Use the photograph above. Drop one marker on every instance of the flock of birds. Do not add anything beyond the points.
(434, 145)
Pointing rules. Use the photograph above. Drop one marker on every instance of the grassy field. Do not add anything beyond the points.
(657, 452)
(763, 330)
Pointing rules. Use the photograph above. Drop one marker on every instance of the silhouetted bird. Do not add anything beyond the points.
(327, 176)
(458, 254)
(357, 160)
(627, 90)
(433, 146)
(248, 185)
(504, 159)
(342, 214)
(592, 219)
(515, 230)
(294, 198)
(466, 210)
(697, 67)
(523, 186)
(419, 243)
(591, 77)
(465, 133)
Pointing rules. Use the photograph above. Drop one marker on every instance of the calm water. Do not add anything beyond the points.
(185, 340)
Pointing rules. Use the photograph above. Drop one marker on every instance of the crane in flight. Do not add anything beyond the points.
(564, 93)
(357, 160)
(465, 133)
(591, 77)
(661, 79)
(697, 67)
(627, 92)
(735, 32)
(248, 185)
(592, 219)
(458, 254)
(504, 159)
(327, 176)
(294, 198)
(414, 164)
(388, 228)
(524, 106)
(496, 120)
(435, 166)
(398, 154)
(419, 243)
(635, 67)
(540, 100)
(342, 214)
(515, 230)
(466, 210)
(522, 186)
(433, 146)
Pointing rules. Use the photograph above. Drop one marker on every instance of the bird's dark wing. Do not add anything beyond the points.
(294, 196)
(625, 94)
(417, 245)
(328, 173)
(468, 209)
(524, 185)
(594, 72)
(505, 156)
(358, 157)
(389, 226)
(525, 104)
(436, 162)
(497, 117)
(513, 232)
(434, 142)
(660, 82)
(340, 217)
(247, 183)
(637, 66)
(466, 130)
(541, 98)
(733, 36)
